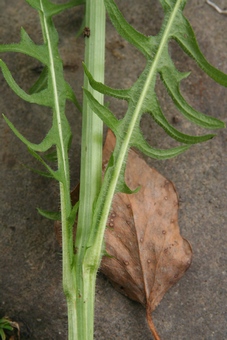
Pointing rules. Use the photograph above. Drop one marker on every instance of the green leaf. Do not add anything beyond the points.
(45, 145)
(156, 113)
(7, 326)
(51, 215)
(51, 156)
(51, 9)
(55, 174)
(141, 144)
(185, 37)
(51, 90)
(4, 324)
(142, 98)
(39, 172)
(70, 95)
(2, 334)
(171, 79)
(102, 88)
(103, 112)
(41, 83)
(73, 214)
(41, 98)
(140, 41)
(27, 46)
(123, 188)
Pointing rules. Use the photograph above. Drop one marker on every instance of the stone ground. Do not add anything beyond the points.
(30, 260)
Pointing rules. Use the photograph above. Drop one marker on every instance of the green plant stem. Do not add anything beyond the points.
(91, 172)
(68, 279)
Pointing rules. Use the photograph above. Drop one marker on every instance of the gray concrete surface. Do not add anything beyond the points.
(30, 258)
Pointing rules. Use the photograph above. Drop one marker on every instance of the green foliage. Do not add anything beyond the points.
(141, 98)
(51, 215)
(51, 90)
(4, 325)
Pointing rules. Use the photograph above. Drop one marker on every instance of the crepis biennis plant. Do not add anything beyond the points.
(51, 90)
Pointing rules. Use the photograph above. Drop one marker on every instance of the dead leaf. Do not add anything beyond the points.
(148, 253)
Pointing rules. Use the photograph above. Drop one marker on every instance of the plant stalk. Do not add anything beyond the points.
(68, 280)
(91, 173)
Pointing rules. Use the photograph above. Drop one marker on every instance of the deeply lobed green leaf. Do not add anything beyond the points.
(142, 98)
(50, 89)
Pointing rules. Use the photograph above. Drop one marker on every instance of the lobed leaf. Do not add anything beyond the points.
(42, 147)
(171, 79)
(41, 83)
(102, 88)
(70, 95)
(103, 112)
(55, 174)
(141, 96)
(160, 119)
(52, 9)
(141, 42)
(50, 89)
(51, 215)
(41, 173)
(185, 37)
(28, 47)
(141, 144)
(41, 98)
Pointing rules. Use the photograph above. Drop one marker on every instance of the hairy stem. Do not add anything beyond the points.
(68, 280)
(91, 170)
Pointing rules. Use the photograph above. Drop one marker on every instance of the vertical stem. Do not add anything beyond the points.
(91, 171)
(92, 127)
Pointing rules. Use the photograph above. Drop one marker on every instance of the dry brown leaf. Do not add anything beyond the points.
(148, 253)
